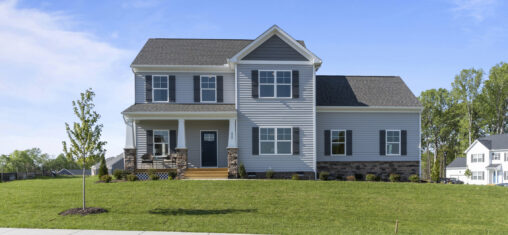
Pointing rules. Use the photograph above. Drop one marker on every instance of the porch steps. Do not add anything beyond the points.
(206, 173)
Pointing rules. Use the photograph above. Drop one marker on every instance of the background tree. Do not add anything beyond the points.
(84, 136)
(494, 100)
(103, 169)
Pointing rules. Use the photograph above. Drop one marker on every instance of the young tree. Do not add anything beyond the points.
(84, 136)
(435, 172)
(103, 169)
(494, 100)
(468, 173)
(466, 89)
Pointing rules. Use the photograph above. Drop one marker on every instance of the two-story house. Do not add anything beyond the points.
(486, 158)
(205, 106)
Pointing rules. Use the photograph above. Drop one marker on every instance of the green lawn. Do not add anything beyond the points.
(258, 206)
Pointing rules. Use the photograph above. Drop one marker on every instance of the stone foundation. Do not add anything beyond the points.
(232, 163)
(305, 175)
(381, 169)
(181, 162)
(130, 160)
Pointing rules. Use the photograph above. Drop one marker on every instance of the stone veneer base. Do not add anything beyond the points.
(305, 175)
(379, 168)
(130, 159)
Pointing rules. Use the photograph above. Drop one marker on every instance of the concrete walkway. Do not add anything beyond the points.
(30, 231)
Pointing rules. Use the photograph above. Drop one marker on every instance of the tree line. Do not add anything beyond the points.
(453, 119)
(34, 161)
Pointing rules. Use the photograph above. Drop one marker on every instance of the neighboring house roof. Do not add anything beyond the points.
(110, 161)
(363, 91)
(172, 107)
(73, 172)
(492, 142)
(460, 162)
(181, 51)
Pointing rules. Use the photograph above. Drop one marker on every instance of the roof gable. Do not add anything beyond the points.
(275, 48)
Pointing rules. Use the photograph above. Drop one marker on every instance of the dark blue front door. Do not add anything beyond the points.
(209, 149)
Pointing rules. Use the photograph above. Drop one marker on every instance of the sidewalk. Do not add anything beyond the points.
(30, 231)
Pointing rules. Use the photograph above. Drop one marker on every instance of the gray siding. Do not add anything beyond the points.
(276, 112)
(192, 138)
(366, 127)
(275, 49)
(185, 86)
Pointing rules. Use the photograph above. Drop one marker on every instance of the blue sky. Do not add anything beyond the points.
(52, 50)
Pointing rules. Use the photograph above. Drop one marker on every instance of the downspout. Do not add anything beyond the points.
(314, 119)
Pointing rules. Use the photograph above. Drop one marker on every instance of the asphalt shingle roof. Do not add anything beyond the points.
(172, 107)
(110, 161)
(459, 162)
(181, 51)
(495, 141)
(334, 90)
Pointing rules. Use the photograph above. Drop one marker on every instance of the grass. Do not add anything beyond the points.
(259, 206)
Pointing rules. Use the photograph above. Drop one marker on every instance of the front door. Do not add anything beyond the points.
(494, 178)
(208, 149)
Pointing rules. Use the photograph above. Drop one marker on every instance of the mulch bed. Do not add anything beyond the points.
(86, 211)
(112, 181)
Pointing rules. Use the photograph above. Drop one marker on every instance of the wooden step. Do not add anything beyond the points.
(206, 173)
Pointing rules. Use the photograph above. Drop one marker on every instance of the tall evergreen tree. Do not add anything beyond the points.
(103, 169)
(84, 136)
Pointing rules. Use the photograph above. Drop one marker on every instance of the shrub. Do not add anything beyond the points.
(151, 172)
(106, 178)
(394, 177)
(242, 172)
(414, 178)
(323, 175)
(338, 177)
(119, 174)
(154, 177)
(131, 177)
(269, 174)
(172, 175)
(103, 169)
(371, 177)
(434, 174)
(295, 177)
(351, 178)
(358, 177)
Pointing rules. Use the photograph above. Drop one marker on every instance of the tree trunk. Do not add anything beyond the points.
(428, 160)
(84, 204)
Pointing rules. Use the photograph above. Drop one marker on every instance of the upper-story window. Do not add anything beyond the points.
(160, 88)
(393, 142)
(160, 143)
(477, 157)
(275, 140)
(208, 88)
(338, 141)
(496, 156)
(274, 84)
(506, 157)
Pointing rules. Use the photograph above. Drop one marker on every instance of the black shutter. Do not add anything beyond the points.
(220, 89)
(197, 96)
(296, 84)
(327, 143)
(255, 84)
(172, 141)
(403, 142)
(255, 141)
(148, 88)
(296, 141)
(349, 142)
(382, 142)
(149, 141)
(172, 89)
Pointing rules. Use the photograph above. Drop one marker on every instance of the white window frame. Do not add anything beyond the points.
(275, 140)
(386, 143)
(153, 142)
(275, 84)
(505, 175)
(153, 88)
(476, 175)
(506, 156)
(496, 154)
(331, 142)
(475, 157)
(201, 88)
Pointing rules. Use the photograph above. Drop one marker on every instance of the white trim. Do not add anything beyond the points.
(395, 109)
(275, 140)
(153, 142)
(420, 145)
(201, 148)
(345, 143)
(201, 88)
(471, 146)
(236, 87)
(275, 84)
(179, 115)
(181, 68)
(274, 62)
(314, 120)
(386, 143)
(153, 89)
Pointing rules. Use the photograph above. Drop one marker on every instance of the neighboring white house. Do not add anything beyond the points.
(457, 168)
(113, 163)
(487, 159)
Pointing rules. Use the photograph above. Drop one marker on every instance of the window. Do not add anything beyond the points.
(275, 140)
(160, 143)
(505, 175)
(208, 88)
(478, 175)
(477, 157)
(275, 84)
(506, 157)
(160, 88)
(338, 141)
(393, 142)
(496, 156)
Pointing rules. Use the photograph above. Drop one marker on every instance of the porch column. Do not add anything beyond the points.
(232, 150)
(181, 150)
(130, 146)
(129, 133)
(180, 143)
(232, 133)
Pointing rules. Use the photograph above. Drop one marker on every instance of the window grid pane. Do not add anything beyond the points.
(275, 140)
(208, 88)
(161, 143)
(393, 142)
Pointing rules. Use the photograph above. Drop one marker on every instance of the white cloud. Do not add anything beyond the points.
(476, 9)
(44, 65)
